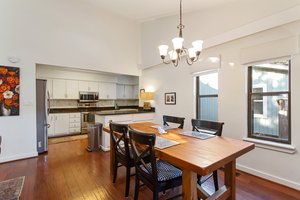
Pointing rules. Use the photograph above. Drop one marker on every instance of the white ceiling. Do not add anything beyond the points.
(143, 10)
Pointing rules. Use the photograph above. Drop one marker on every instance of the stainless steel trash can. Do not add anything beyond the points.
(94, 136)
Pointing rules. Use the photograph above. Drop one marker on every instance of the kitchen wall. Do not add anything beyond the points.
(276, 42)
(70, 33)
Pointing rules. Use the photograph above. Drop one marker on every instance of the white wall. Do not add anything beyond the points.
(70, 33)
(273, 165)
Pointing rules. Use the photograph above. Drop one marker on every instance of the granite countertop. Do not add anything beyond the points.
(104, 110)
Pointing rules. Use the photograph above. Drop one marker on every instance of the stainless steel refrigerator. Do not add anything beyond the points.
(42, 112)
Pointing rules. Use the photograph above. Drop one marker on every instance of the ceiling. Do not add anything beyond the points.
(143, 10)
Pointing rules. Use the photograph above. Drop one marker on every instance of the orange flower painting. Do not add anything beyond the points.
(9, 91)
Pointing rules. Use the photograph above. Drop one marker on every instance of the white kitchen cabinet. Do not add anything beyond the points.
(61, 124)
(88, 86)
(125, 91)
(122, 119)
(107, 90)
(136, 92)
(50, 88)
(65, 89)
(74, 123)
(59, 89)
(72, 91)
(51, 121)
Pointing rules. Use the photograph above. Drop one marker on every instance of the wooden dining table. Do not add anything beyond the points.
(197, 156)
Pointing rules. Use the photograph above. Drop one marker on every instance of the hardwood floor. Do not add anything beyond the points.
(68, 171)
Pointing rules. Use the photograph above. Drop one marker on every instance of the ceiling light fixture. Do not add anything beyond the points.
(192, 54)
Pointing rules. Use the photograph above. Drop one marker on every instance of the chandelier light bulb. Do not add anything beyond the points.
(178, 43)
(163, 50)
(197, 45)
(192, 53)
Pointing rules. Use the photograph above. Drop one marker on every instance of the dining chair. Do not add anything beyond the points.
(157, 175)
(210, 127)
(121, 151)
(173, 119)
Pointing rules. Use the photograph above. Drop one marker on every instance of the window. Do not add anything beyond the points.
(207, 96)
(269, 101)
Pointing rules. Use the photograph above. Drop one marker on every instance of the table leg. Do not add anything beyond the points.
(189, 185)
(230, 178)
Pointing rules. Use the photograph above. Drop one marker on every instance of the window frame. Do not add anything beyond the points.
(266, 94)
(198, 96)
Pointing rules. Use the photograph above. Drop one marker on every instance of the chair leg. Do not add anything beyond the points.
(155, 194)
(115, 171)
(127, 181)
(215, 176)
(137, 188)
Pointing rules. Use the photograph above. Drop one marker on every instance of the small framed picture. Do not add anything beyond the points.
(170, 98)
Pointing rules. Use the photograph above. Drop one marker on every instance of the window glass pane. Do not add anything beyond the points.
(209, 108)
(270, 77)
(270, 117)
(209, 84)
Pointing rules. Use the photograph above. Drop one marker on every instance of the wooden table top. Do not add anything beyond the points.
(200, 156)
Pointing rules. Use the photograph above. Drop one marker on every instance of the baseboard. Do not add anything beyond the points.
(269, 177)
(18, 157)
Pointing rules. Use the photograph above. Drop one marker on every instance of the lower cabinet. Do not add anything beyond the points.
(63, 124)
(122, 119)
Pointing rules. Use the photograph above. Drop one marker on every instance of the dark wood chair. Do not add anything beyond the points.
(157, 175)
(121, 151)
(214, 128)
(172, 119)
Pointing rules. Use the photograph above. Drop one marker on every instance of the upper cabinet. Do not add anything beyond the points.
(126, 91)
(50, 88)
(65, 89)
(88, 86)
(107, 90)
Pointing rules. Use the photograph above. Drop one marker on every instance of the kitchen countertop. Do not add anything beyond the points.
(104, 110)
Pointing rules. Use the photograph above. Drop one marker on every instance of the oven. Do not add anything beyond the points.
(86, 117)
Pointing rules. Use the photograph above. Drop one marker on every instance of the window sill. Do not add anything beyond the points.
(285, 148)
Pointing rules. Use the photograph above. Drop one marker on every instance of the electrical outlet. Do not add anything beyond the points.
(39, 144)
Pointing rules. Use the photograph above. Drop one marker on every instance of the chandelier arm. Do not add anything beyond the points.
(189, 60)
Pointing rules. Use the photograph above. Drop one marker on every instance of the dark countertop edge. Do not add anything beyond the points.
(98, 109)
(125, 113)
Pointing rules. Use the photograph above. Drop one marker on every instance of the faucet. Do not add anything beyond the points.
(116, 106)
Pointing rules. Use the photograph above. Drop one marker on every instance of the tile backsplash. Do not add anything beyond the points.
(66, 103)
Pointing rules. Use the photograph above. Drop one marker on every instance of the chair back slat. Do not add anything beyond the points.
(118, 135)
(143, 148)
(173, 119)
(217, 127)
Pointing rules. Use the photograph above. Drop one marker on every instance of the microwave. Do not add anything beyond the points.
(88, 96)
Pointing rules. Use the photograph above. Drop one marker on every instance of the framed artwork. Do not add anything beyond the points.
(170, 98)
(9, 91)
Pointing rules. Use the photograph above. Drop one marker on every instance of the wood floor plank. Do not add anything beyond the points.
(69, 172)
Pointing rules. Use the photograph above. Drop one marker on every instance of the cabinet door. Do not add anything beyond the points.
(50, 121)
(136, 91)
(128, 91)
(61, 126)
(83, 86)
(107, 90)
(50, 88)
(59, 89)
(120, 91)
(72, 89)
(93, 86)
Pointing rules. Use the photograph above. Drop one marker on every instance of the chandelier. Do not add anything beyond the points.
(192, 54)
